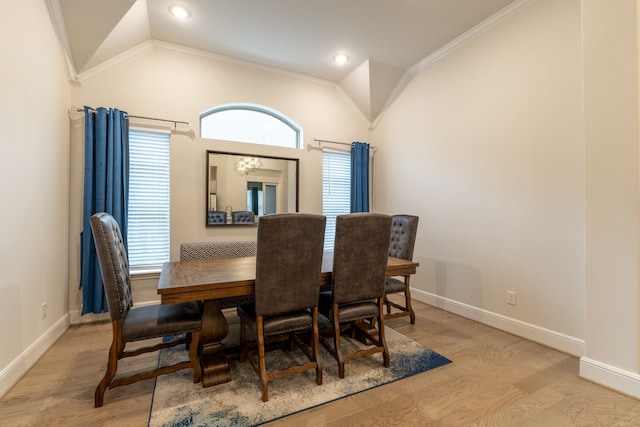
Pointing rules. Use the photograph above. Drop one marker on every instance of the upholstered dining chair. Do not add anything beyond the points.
(401, 244)
(243, 217)
(355, 301)
(216, 217)
(288, 269)
(140, 323)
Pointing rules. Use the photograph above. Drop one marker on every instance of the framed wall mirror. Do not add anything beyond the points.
(243, 187)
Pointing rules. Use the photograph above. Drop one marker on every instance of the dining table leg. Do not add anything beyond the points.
(215, 368)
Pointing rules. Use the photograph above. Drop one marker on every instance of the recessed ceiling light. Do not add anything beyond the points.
(179, 11)
(340, 58)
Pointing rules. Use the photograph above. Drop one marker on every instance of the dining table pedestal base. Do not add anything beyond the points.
(215, 367)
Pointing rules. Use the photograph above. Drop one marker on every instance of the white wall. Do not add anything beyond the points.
(524, 169)
(612, 174)
(486, 145)
(34, 188)
(172, 84)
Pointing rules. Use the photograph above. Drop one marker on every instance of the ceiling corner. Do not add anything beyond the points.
(88, 23)
(370, 85)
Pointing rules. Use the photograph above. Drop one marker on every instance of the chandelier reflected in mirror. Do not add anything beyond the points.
(247, 165)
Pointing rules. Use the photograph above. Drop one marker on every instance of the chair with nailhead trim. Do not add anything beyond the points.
(401, 244)
(181, 321)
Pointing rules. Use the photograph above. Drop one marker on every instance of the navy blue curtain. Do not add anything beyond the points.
(106, 189)
(359, 177)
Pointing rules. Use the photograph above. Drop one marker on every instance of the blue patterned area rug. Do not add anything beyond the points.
(177, 401)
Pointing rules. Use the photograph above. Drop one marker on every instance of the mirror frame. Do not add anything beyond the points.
(208, 181)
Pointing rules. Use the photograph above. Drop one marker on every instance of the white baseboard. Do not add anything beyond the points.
(76, 317)
(10, 375)
(609, 376)
(592, 370)
(553, 339)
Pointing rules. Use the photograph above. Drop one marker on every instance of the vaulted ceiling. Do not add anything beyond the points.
(384, 39)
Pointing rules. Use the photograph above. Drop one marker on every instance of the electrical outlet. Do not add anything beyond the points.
(511, 297)
(44, 310)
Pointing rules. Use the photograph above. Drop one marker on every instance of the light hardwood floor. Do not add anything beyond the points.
(496, 379)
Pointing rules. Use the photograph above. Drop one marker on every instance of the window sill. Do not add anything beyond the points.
(146, 273)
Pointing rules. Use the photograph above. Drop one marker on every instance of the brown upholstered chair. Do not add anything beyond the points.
(288, 268)
(402, 242)
(355, 302)
(140, 323)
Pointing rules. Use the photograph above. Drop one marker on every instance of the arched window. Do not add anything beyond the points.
(252, 123)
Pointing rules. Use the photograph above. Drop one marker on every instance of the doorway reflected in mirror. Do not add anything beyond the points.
(243, 182)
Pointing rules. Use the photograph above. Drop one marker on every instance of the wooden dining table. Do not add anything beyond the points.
(211, 279)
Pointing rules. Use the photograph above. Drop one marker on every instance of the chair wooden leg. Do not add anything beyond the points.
(261, 359)
(385, 353)
(407, 297)
(103, 385)
(315, 345)
(407, 309)
(388, 304)
(336, 342)
(292, 343)
(381, 338)
(116, 349)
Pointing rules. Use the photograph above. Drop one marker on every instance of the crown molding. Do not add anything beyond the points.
(402, 83)
(289, 74)
(55, 12)
(452, 46)
(248, 64)
(353, 105)
(57, 19)
(474, 32)
(126, 56)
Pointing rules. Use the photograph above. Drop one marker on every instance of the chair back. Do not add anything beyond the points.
(360, 254)
(403, 236)
(243, 217)
(288, 262)
(216, 217)
(114, 266)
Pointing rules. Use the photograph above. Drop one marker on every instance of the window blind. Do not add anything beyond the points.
(149, 185)
(336, 190)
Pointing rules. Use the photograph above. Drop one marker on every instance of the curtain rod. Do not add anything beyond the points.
(320, 141)
(131, 116)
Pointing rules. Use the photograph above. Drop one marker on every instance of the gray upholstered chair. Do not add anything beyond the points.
(401, 244)
(140, 323)
(243, 217)
(216, 217)
(221, 250)
(355, 301)
(288, 269)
